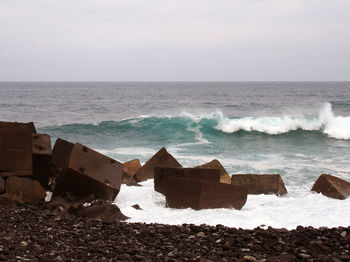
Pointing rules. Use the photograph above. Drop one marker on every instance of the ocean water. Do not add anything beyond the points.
(297, 129)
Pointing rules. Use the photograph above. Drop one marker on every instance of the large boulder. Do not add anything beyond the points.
(260, 184)
(41, 158)
(201, 194)
(130, 168)
(24, 190)
(215, 164)
(161, 159)
(332, 186)
(60, 156)
(89, 173)
(15, 149)
(163, 173)
(29, 125)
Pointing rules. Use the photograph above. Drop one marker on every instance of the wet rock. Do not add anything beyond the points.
(15, 149)
(130, 168)
(60, 156)
(137, 207)
(2, 185)
(200, 194)
(282, 258)
(260, 184)
(24, 190)
(215, 164)
(104, 210)
(89, 173)
(41, 158)
(161, 159)
(163, 173)
(332, 186)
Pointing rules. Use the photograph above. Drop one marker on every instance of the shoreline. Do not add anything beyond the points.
(37, 234)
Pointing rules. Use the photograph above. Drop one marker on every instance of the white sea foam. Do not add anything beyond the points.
(334, 126)
(298, 207)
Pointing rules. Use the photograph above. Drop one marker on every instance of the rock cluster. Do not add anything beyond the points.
(37, 234)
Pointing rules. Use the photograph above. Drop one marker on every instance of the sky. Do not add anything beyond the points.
(178, 40)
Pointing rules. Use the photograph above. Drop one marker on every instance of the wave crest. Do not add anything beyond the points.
(334, 126)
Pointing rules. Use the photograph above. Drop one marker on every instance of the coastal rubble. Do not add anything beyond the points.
(89, 172)
(130, 168)
(161, 174)
(260, 184)
(215, 164)
(332, 186)
(161, 159)
(202, 194)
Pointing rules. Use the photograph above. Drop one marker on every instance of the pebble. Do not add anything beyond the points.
(249, 258)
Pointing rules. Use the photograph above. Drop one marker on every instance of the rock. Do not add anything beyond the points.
(29, 125)
(249, 258)
(332, 186)
(2, 185)
(24, 190)
(103, 210)
(137, 207)
(200, 194)
(60, 156)
(15, 149)
(41, 158)
(130, 168)
(215, 164)
(260, 184)
(200, 234)
(161, 159)
(282, 258)
(162, 173)
(89, 173)
(5, 200)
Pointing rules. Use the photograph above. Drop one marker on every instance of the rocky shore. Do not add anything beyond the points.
(34, 233)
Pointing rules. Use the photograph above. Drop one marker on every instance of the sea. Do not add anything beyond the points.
(299, 130)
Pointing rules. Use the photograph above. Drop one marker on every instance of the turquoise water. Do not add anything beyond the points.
(299, 130)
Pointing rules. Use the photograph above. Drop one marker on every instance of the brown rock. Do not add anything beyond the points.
(60, 156)
(2, 185)
(5, 200)
(15, 149)
(24, 190)
(260, 184)
(215, 164)
(89, 172)
(162, 173)
(130, 168)
(103, 210)
(161, 159)
(41, 158)
(29, 125)
(332, 186)
(200, 194)
(282, 258)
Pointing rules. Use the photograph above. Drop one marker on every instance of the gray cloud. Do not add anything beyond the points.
(110, 40)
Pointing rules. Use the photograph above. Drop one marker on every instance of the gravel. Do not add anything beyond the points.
(34, 233)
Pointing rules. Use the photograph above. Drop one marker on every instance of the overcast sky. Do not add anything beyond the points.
(177, 40)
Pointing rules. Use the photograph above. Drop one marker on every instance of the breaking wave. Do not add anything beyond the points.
(188, 128)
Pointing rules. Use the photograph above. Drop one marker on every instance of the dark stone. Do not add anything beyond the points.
(161, 159)
(24, 190)
(103, 210)
(200, 194)
(5, 200)
(282, 258)
(60, 156)
(89, 172)
(260, 184)
(2, 185)
(332, 186)
(42, 158)
(162, 173)
(137, 207)
(15, 149)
